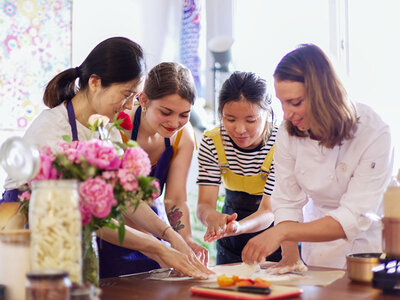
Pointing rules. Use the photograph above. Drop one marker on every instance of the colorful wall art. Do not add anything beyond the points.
(35, 44)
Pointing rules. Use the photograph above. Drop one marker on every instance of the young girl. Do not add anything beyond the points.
(240, 154)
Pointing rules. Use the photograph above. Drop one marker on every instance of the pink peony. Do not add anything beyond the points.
(98, 196)
(128, 180)
(136, 160)
(100, 154)
(110, 176)
(47, 171)
(69, 149)
(85, 214)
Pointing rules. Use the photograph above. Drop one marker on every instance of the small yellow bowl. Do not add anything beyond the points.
(359, 266)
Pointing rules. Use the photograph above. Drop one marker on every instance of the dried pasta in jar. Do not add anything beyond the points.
(55, 224)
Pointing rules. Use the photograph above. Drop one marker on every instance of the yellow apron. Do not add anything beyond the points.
(254, 184)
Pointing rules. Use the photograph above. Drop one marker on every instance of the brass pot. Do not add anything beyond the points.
(359, 266)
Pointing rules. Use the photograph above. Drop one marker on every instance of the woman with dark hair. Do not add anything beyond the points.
(238, 153)
(108, 81)
(333, 162)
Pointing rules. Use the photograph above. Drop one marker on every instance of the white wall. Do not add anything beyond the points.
(151, 23)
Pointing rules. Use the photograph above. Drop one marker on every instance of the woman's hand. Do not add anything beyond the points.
(290, 261)
(177, 242)
(200, 252)
(183, 263)
(262, 245)
(217, 225)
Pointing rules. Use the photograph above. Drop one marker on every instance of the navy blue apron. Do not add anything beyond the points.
(116, 260)
(229, 249)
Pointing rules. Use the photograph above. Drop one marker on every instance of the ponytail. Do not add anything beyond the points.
(61, 88)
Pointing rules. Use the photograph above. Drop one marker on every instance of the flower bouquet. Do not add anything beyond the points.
(112, 176)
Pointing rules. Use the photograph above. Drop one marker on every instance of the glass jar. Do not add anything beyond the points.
(14, 262)
(47, 285)
(20, 159)
(55, 224)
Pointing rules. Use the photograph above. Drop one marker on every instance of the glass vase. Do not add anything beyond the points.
(90, 257)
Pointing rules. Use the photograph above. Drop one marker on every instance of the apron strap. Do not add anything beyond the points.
(268, 160)
(72, 120)
(215, 135)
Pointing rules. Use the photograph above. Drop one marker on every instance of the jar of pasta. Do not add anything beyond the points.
(55, 224)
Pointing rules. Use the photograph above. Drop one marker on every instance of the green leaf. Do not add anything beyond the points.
(67, 138)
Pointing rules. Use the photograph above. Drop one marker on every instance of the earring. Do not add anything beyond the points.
(144, 109)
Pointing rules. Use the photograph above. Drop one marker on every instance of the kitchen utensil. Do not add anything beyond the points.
(277, 292)
(243, 289)
(359, 266)
(152, 274)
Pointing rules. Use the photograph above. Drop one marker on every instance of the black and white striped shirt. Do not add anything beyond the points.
(241, 161)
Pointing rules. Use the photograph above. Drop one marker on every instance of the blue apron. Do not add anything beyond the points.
(229, 249)
(116, 260)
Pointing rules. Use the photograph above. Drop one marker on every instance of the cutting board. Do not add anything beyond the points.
(277, 292)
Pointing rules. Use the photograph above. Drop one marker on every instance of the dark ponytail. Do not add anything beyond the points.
(61, 87)
(114, 60)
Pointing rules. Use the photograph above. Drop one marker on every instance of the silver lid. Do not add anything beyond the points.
(20, 159)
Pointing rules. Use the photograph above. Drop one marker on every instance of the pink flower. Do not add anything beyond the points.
(98, 196)
(128, 180)
(136, 160)
(70, 149)
(47, 171)
(25, 196)
(100, 154)
(85, 214)
(110, 176)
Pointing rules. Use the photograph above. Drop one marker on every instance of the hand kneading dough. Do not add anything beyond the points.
(246, 270)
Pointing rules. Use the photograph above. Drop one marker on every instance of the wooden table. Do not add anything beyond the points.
(135, 288)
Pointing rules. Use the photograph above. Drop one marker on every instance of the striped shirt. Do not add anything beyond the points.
(241, 161)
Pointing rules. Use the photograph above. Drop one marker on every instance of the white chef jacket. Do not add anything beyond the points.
(345, 183)
(50, 126)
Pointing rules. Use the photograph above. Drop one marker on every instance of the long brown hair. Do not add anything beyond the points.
(331, 115)
(114, 60)
(168, 78)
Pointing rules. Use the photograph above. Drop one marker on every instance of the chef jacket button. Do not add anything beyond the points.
(331, 177)
(302, 171)
(343, 167)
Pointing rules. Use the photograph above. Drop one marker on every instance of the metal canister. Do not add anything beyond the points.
(47, 285)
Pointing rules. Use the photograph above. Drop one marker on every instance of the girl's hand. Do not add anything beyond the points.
(217, 225)
(231, 229)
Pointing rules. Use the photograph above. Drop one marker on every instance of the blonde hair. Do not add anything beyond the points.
(330, 114)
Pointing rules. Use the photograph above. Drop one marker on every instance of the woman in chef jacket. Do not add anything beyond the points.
(333, 161)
